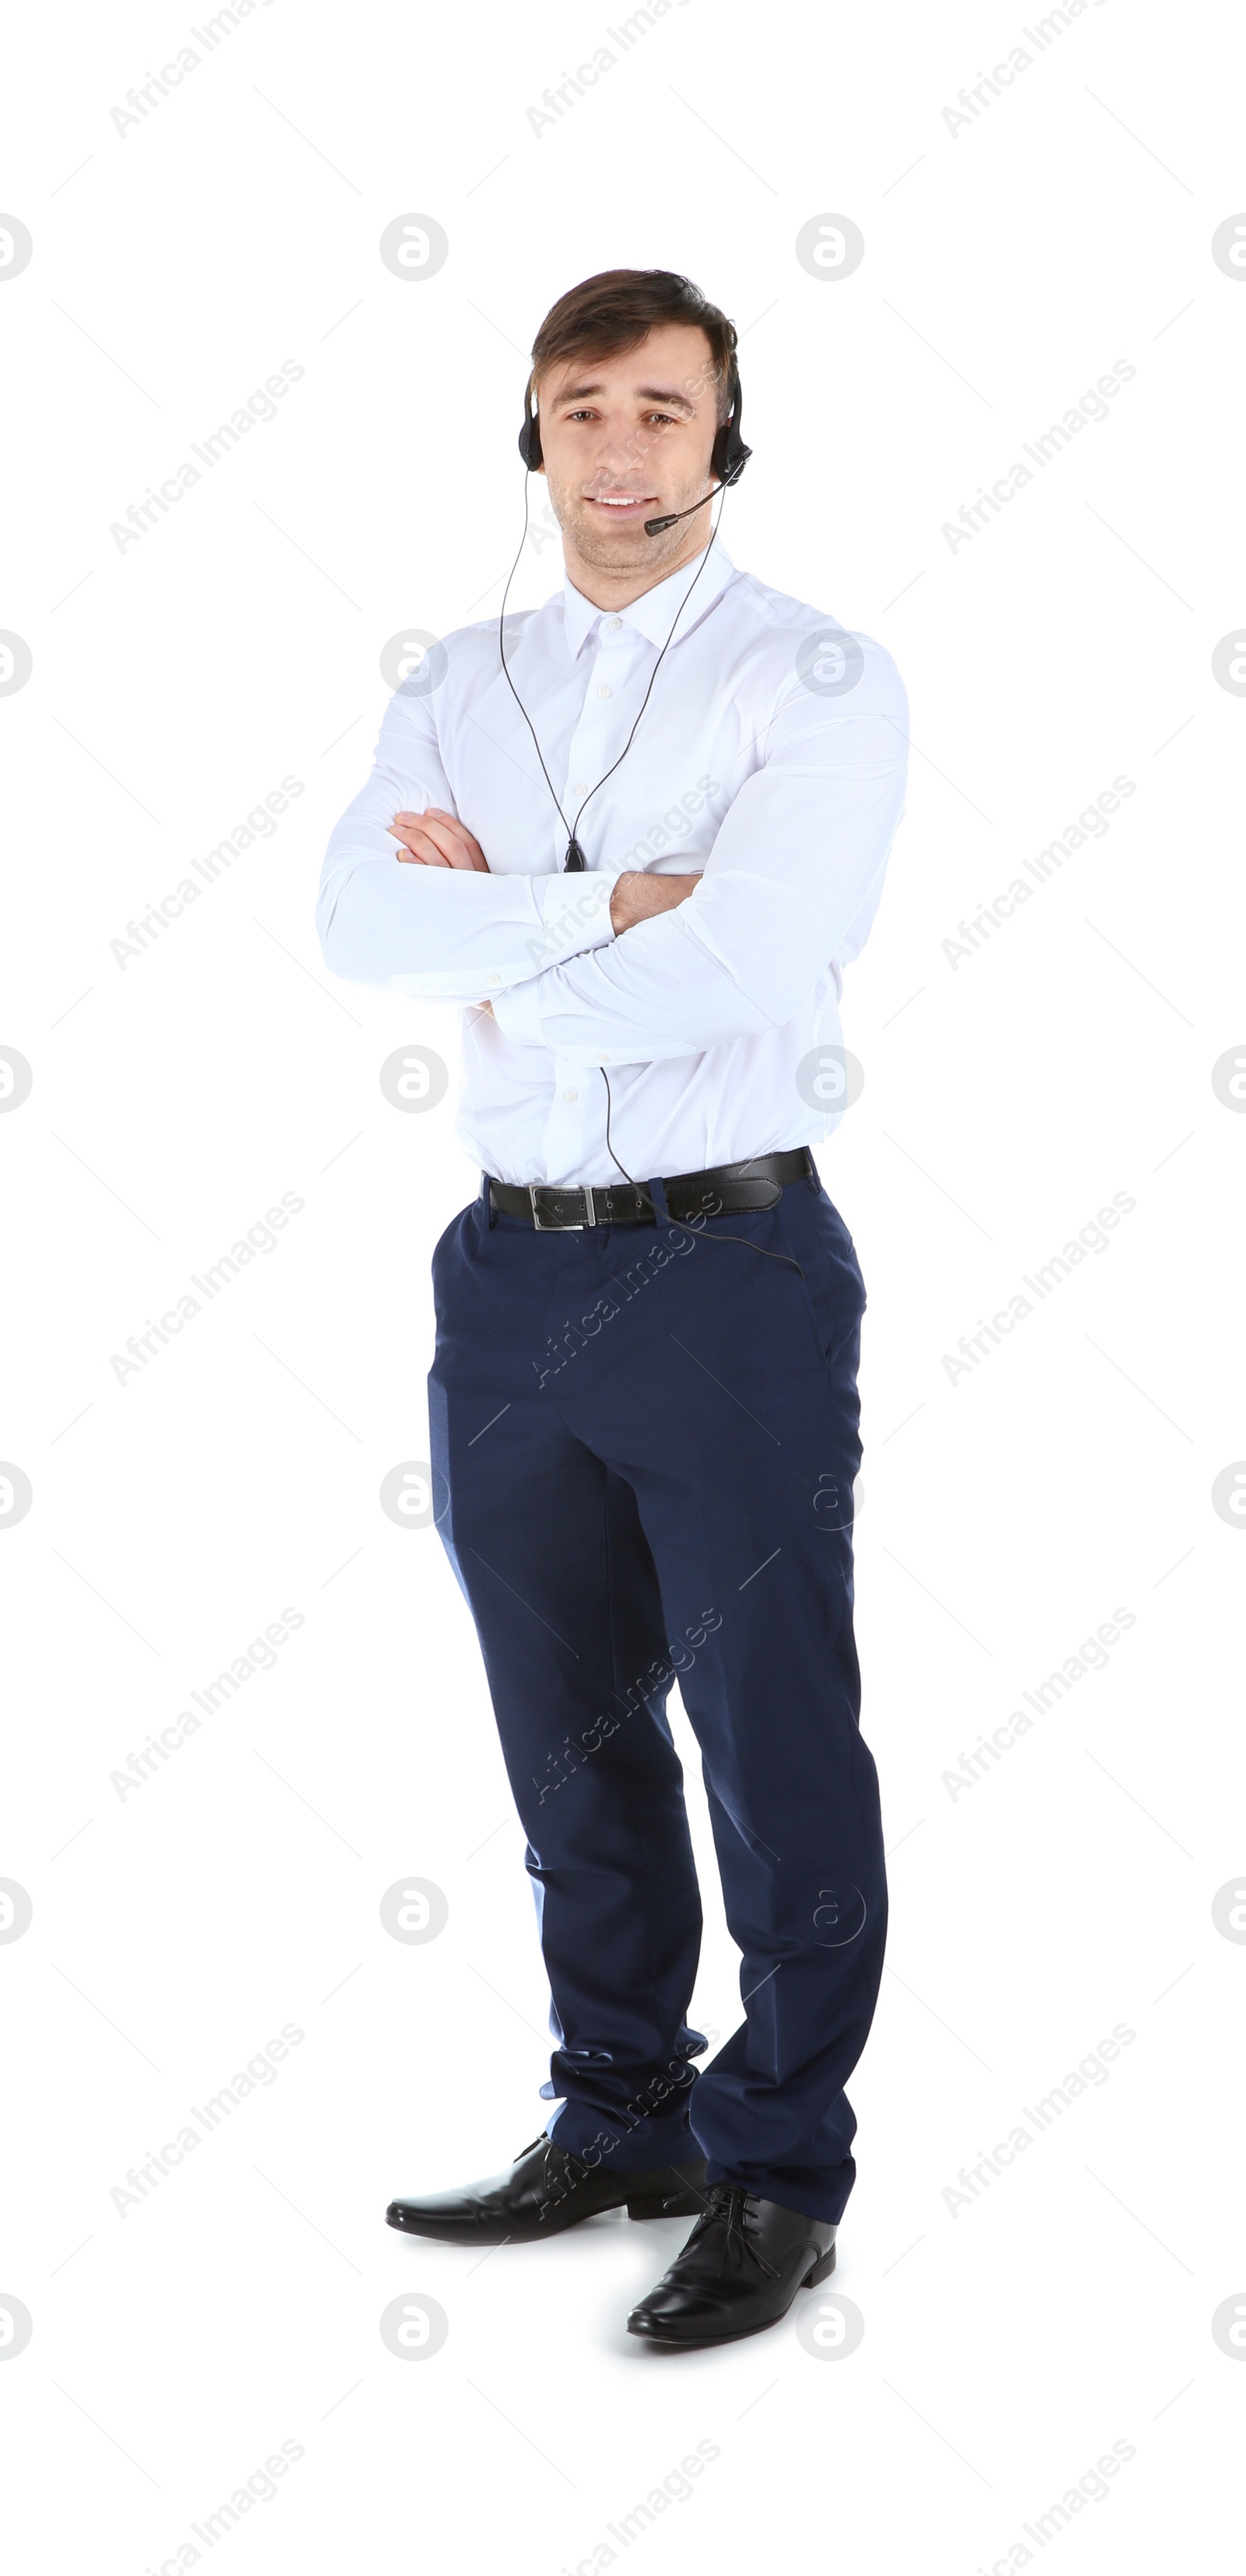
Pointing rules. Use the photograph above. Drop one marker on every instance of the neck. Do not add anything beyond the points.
(618, 589)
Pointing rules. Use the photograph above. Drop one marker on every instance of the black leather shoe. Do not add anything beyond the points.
(546, 2190)
(739, 2271)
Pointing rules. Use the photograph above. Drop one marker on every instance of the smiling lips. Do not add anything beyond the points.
(622, 505)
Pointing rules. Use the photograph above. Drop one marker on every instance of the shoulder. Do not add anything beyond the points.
(460, 664)
(802, 650)
(471, 650)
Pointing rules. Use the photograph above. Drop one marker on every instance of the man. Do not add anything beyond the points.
(643, 1398)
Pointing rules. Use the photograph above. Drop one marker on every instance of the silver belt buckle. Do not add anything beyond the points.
(577, 1226)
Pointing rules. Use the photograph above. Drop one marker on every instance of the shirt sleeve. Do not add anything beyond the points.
(442, 934)
(790, 886)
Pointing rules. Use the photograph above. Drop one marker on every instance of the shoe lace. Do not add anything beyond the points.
(573, 2170)
(733, 2209)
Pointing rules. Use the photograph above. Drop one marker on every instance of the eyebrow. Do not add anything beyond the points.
(645, 393)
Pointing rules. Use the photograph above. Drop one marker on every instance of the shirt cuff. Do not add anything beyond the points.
(575, 914)
(518, 1015)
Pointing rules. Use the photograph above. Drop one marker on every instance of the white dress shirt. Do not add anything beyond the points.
(771, 755)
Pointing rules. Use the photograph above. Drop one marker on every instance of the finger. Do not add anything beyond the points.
(416, 845)
(444, 832)
(411, 830)
(443, 836)
(444, 829)
(453, 840)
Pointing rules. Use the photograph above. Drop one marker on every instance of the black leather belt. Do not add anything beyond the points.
(730, 1190)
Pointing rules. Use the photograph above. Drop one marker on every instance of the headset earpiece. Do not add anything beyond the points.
(530, 434)
(730, 455)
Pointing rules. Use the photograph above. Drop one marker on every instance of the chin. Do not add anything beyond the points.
(608, 552)
(614, 549)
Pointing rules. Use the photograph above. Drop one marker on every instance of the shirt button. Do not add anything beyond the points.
(614, 624)
(580, 787)
(571, 1095)
(495, 979)
(603, 691)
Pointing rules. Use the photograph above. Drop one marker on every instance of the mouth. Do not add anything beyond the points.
(622, 507)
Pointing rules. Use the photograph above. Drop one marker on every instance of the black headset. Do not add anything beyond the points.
(727, 461)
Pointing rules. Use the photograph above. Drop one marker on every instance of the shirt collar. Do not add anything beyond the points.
(654, 614)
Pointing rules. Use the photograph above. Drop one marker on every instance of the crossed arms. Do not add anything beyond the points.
(437, 840)
(643, 967)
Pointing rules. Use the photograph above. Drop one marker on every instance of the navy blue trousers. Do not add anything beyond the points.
(644, 1441)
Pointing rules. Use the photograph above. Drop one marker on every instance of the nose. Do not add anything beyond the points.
(623, 450)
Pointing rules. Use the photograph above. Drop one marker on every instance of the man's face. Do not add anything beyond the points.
(625, 439)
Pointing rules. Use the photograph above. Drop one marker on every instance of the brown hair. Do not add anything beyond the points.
(619, 309)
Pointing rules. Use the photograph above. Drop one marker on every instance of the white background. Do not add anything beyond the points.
(1008, 264)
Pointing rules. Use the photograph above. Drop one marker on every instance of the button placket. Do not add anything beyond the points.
(588, 759)
(565, 1138)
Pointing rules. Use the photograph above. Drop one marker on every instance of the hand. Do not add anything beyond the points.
(638, 896)
(437, 840)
